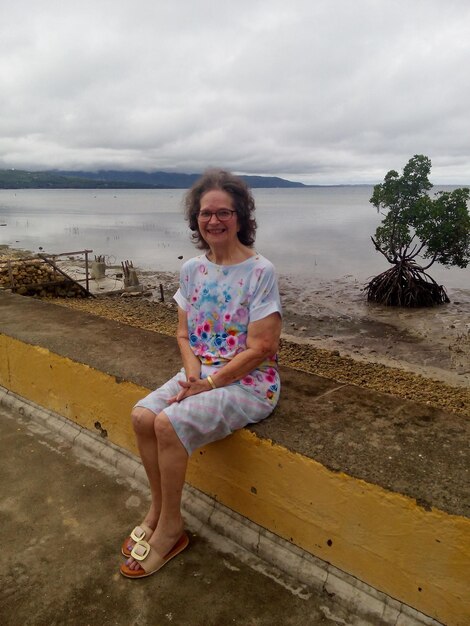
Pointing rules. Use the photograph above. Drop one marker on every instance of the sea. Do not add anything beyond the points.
(309, 232)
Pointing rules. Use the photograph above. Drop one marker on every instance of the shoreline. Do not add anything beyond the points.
(333, 315)
(331, 330)
(162, 318)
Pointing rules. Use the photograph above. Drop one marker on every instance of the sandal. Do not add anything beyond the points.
(138, 534)
(149, 559)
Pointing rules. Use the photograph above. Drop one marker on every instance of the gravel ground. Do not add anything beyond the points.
(161, 317)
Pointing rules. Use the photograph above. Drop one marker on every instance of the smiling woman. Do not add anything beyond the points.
(218, 222)
(229, 324)
(217, 191)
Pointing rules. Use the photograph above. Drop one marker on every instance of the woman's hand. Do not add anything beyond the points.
(190, 387)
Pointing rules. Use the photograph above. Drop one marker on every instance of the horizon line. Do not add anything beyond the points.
(164, 171)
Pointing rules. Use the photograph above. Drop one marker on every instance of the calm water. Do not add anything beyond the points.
(319, 231)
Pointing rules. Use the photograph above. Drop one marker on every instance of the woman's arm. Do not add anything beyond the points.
(262, 342)
(191, 364)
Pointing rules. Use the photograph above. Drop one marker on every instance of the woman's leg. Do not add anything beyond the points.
(143, 423)
(172, 460)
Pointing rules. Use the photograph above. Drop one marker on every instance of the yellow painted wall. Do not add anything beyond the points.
(421, 558)
(383, 538)
(71, 389)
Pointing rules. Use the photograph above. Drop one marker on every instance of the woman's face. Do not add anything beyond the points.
(215, 231)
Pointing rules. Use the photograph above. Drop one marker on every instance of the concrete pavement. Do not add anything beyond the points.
(359, 486)
(63, 518)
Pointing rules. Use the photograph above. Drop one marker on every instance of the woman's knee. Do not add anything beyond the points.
(164, 430)
(142, 420)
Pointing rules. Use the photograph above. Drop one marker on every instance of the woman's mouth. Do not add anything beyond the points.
(216, 231)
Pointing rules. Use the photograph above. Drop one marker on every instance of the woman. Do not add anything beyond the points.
(229, 324)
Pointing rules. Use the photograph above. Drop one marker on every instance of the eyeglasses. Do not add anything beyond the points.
(222, 214)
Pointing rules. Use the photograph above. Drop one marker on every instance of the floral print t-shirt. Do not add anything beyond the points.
(220, 302)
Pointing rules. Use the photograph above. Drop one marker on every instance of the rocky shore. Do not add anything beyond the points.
(330, 330)
(298, 351)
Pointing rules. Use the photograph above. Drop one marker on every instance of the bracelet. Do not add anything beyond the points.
(211, 382)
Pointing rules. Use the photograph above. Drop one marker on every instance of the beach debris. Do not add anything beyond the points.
(162, 295)
(131, 281)
(135, 294)
(98, 267)
(38, 276)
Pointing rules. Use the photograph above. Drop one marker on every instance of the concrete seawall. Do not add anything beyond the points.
(361, 508)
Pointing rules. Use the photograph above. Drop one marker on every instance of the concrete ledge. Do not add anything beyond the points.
(411, 548)
(202, 512)
(400, 445)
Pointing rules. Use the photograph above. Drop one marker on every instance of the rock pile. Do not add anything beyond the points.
(35, 277)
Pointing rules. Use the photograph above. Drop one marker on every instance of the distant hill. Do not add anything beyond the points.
(171, 180)
(118, 179)
(21, 179)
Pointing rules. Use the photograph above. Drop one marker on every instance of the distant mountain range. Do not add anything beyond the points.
(118, 179)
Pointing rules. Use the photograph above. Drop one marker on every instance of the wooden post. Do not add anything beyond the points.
(54, 269)
(87, 283)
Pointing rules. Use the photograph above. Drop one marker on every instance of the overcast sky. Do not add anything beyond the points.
(321, 91)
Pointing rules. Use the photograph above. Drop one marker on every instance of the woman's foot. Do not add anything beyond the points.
(150, 561)
(146, 529)
(162, 541)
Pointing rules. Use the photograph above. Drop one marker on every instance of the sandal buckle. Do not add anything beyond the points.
(141, 550)
(138, 534)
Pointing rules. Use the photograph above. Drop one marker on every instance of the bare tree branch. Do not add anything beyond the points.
(379, 249)
(432, 261)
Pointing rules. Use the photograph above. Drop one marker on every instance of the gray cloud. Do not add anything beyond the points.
(328, 91)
